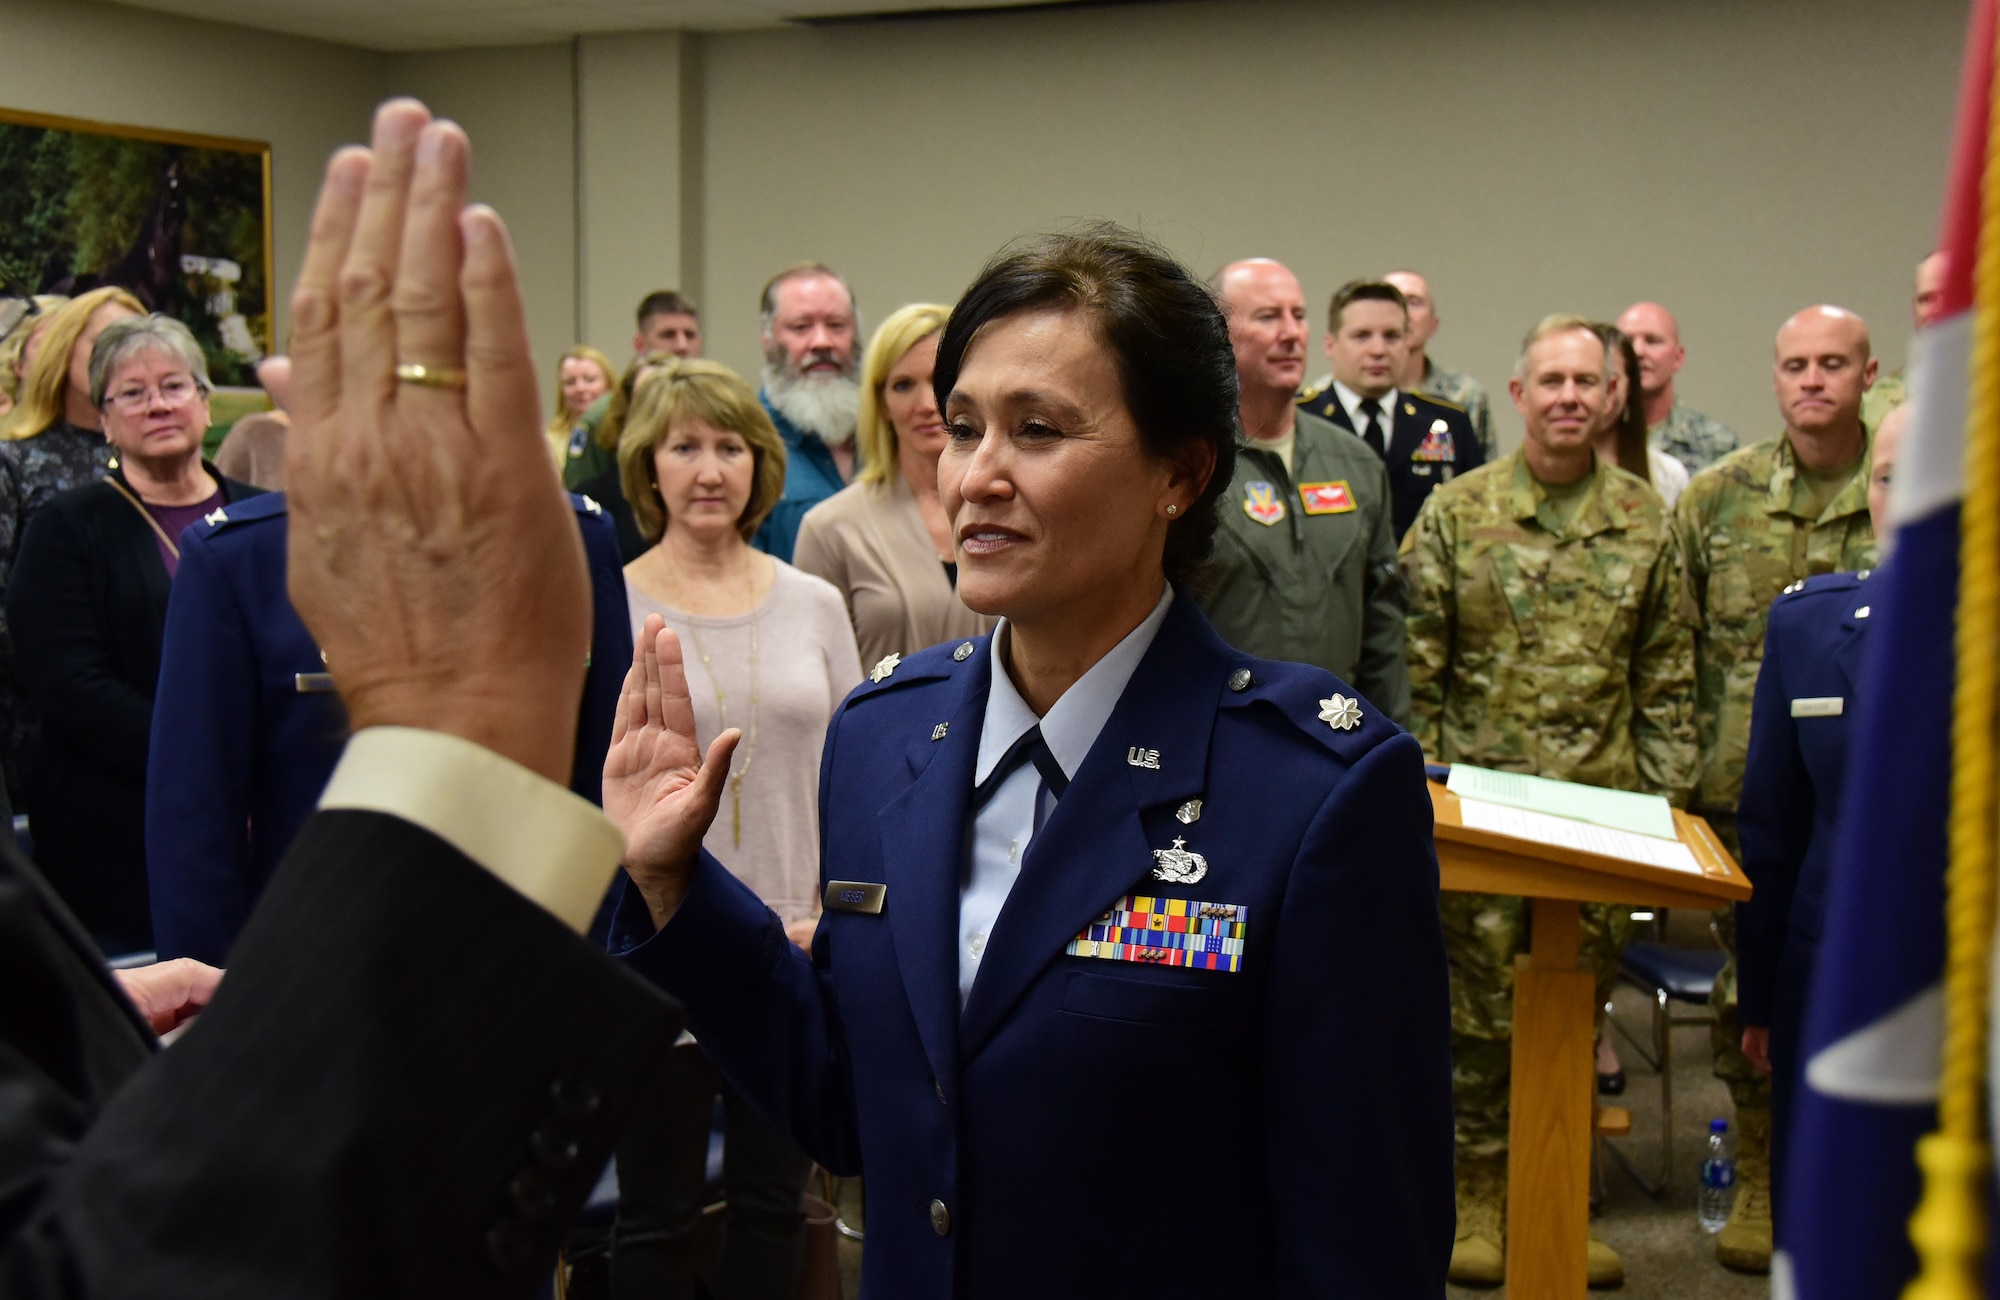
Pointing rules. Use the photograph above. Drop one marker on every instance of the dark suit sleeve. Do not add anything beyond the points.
(198, 784)
(1383, 673)
(1774, 821)
(610, 655)
(406, 1086)
(1357, 1050)
(59, 651)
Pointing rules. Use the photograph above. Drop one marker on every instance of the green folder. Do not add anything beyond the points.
(1645, 814)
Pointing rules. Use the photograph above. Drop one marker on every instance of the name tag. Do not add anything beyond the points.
(853, 896)
(1326, 498)
(1818, 706)
(312, 683)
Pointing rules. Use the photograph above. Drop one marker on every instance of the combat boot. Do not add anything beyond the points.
(1478, 1255)
(1744, 1244)
(1603, 1267)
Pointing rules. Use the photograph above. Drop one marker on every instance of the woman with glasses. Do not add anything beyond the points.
(87, 603)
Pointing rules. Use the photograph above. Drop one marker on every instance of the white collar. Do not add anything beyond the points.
(1351, 401)
(1070, 728)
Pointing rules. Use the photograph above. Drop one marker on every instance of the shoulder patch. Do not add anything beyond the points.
(1822, 583)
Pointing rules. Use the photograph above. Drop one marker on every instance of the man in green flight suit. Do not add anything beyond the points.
(1753, 523)
(1305, 559)
(1551, 633)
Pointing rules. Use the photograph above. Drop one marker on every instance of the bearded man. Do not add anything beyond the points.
(810, 389)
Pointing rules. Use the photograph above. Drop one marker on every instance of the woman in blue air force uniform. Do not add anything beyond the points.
(1130, 966)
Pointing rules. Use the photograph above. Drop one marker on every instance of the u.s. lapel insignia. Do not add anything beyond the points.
(1137, 756)
(1409, 408)
(1262, 503)
(1341, 712)
(1179, 865)
(882, 670)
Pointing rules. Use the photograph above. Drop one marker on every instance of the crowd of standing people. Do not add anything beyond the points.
(1590, 606)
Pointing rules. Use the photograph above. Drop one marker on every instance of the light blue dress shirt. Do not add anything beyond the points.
(1002, 829)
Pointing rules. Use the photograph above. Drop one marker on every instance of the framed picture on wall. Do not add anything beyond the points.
(182, 221)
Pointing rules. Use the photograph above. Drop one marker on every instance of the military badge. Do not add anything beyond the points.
(1437, 444)
(1262, 503)
(1177, 865)
(1167, 932)
(1342, 712)
(1326, 498)
(880, 672)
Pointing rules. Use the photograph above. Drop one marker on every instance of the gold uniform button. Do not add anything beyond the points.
(940, 1218)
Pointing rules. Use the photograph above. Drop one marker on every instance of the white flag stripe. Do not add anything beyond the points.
(1894, 1061)
(1930, 467)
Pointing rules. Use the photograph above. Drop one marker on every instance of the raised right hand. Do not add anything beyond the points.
(657, 786)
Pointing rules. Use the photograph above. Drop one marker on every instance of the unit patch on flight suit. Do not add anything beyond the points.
(1326, 498)
(1262, 503)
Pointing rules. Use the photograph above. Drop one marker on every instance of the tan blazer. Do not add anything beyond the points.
(871, 544)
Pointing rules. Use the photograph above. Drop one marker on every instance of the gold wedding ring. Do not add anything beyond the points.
(410, 372)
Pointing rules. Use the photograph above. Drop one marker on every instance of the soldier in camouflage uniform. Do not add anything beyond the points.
(1550, 632)
(1422, 375)
(1672, 426)
(1753, 523)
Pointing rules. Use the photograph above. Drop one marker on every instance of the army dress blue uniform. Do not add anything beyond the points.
(1429, 442)
(247, 728)
(1234, 1080)
(1789, 816)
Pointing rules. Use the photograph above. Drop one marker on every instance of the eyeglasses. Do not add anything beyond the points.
(133, 398)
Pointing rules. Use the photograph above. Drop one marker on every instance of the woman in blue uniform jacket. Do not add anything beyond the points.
(247, 729)
(1130, 965)
(1789, 813)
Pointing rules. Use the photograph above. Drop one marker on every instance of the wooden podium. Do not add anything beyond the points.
(1548, 1135)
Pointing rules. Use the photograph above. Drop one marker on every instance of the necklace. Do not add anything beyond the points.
(749, 749)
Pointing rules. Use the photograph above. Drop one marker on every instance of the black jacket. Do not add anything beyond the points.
(87, 605)
(377, 1104)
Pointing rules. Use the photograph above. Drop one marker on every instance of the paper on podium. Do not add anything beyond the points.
(1568, 833)
(1643, 814)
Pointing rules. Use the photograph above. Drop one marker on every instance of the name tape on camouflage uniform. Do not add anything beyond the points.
(1167, 932)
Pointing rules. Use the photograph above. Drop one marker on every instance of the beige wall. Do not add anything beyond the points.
(518, 106)
(1735, 161)
(133, 67)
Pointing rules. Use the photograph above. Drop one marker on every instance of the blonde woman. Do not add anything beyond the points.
(17, 346)
(53, 441)
(582, 376)
(883, 540)
(770, 652)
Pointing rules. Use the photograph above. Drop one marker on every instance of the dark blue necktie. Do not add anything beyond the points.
(1029, 748)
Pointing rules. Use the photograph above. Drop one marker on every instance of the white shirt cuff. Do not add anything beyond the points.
(554, 847)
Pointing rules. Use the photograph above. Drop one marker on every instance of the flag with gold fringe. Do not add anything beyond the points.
(1886, 1188)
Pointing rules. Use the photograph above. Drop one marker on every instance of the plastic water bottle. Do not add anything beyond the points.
(1718, 1177)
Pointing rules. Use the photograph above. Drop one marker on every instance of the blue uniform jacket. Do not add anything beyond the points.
(1085, 1123)
(1789, 813)
(810, 478)
(246, 728)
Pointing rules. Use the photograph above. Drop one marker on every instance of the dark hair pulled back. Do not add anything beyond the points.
(1165, 331)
